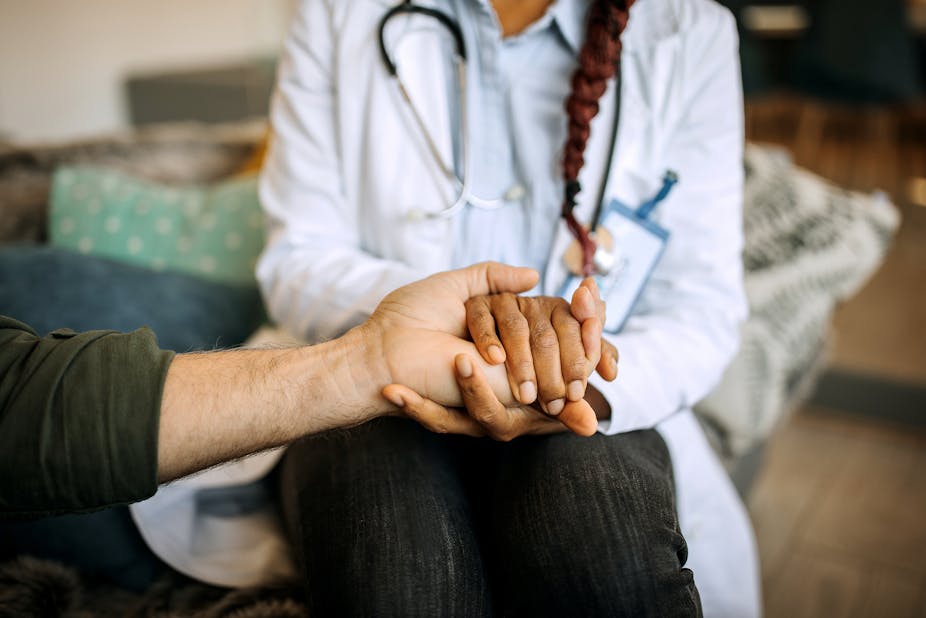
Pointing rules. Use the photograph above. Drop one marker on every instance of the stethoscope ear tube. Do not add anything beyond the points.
(465, 193)
(408, 7)
(416, 214)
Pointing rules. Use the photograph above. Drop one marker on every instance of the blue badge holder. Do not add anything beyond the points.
(638, 244)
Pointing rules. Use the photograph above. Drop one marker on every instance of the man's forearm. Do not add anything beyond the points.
(224, 405)
(80, 412)
(218, 406)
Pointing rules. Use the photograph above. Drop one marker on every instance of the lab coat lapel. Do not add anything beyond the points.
(425, 67)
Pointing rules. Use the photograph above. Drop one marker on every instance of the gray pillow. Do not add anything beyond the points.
(50, 288)
(808, 246)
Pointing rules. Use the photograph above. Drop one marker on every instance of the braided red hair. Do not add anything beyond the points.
(599, 60)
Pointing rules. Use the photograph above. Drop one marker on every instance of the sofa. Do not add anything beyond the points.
(808, 246)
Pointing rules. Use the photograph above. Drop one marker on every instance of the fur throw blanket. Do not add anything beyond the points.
(42, 589)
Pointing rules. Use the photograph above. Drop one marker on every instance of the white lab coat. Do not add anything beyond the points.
(346, 166)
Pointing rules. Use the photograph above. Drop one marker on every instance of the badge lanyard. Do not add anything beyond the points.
(630, 244)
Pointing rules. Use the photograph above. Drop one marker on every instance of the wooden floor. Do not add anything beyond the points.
(840, 506)
(840, 516)
(883, 329)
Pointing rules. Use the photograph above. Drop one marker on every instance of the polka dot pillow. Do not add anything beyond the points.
(215, 232)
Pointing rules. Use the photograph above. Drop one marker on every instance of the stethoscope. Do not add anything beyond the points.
(603, 260)
(464, 190)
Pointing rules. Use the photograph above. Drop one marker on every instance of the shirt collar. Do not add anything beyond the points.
(568, 15)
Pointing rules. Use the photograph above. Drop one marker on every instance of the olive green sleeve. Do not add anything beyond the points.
(79, 416)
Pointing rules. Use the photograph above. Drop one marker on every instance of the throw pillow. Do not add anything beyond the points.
(182, 153)
(50, 288)
(214, 232)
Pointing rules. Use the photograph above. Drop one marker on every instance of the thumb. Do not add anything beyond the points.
(579, 417)
(583, 304)
(494, 277)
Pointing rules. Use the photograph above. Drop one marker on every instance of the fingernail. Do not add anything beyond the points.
(555, 407)
(496, 354)
(528, 392)
(395, 399)
(464, 366)
(575, 390)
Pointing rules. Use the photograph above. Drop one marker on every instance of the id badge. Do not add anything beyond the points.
(635, 248)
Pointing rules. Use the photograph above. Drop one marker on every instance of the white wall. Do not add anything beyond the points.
(62, 62)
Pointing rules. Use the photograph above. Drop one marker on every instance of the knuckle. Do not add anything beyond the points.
(487, 419)
(439, 428)
(562, 318)
(468, 389)
(506, 301)
(414, 414)
(523, 368)
(543, 337)
(532, 308)
(485, 339)
(505, 297)
(575, 369)
(503, 435)
(474, 306)
(513, 323)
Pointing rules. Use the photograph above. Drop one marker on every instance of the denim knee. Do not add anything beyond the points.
(589, 526)
(382, 526)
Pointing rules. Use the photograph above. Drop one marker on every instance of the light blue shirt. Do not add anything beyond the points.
(517, 87)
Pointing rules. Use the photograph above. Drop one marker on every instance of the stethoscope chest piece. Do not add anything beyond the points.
(605, 254)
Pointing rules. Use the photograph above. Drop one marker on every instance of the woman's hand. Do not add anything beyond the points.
(549, 346)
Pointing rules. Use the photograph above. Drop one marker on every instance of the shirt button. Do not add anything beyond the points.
(515, 193)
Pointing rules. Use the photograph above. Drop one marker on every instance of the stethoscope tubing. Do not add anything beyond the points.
(408, 7)
(465, 194)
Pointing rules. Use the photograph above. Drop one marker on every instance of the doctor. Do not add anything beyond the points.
(374, 181)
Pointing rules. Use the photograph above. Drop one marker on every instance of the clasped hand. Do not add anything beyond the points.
(548, 348)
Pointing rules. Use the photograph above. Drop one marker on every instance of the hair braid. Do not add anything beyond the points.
(599, 60)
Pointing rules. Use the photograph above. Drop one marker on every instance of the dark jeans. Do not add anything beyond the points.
(389, 519)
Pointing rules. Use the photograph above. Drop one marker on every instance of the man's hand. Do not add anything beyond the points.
(416, 332)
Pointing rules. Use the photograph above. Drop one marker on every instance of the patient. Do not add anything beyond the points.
(98, 419)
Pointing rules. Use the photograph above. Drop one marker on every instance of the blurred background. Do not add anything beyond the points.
(840, 503)
(822, 418)
(71, 70)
